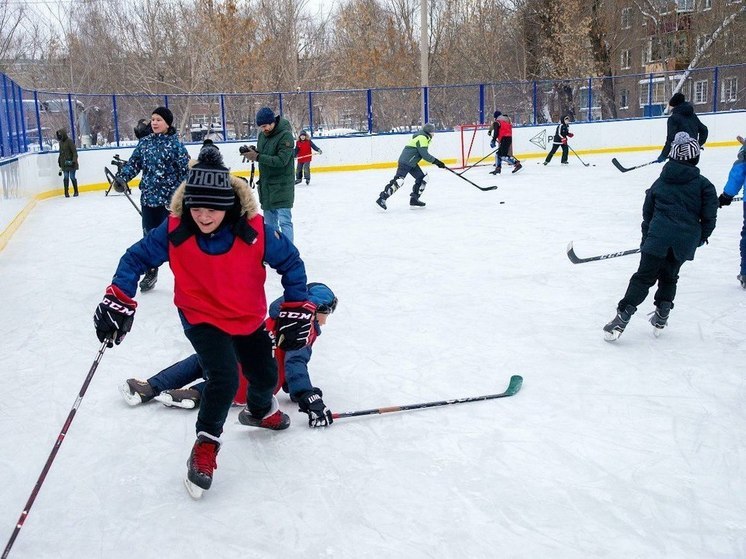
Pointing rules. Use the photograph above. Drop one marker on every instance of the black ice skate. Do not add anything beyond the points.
(201, 464)
(187, 398)
(381, 202)
(497, 171)
(517, 167)
(659, 318)
(149, 279)
(742, 279)
(415, 202)
(136, 392)
(616, 326)
(274, 419)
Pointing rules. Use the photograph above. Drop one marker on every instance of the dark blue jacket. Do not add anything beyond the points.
(152, 251)
(679, 212)
(737, 175)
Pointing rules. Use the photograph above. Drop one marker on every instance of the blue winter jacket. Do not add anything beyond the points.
(737, 175)
(163, 159)
(152, 251)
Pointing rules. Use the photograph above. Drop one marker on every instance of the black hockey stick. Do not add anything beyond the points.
(483, 188)
(113, 181)
(55, 449)
(624, 169)
(576, 260)
(477, 163)
(516, 381)
(576, 155)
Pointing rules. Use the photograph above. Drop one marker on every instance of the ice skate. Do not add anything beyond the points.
(381, 202)
(148, 280)
(517, 167)
(136, 392)
(298, 181)
(497, 171)
(616, 326)
(659, 318)
(415, 202)
(742, 278)
(274, 419)
(201, 464)
(187, 398)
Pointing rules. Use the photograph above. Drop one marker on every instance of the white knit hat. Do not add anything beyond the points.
(684, 147)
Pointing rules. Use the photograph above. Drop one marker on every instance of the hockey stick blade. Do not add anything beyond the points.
(624, 169)
(577, 260)
(516, 381)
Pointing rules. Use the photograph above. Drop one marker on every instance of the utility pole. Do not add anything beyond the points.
(424, 52)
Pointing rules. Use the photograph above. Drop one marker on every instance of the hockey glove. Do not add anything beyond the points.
(564, 141)
(114, 316)
(493, 144)
(318, 414)
(703, 242)
(438, 163)
(724, 200)
(570, 135)
(661, 159)
(294, 324)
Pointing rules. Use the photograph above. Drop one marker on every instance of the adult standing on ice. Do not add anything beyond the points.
(682, 119)
(678, 215)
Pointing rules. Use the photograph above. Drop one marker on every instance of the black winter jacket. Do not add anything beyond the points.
(679, 212)
(683, 119)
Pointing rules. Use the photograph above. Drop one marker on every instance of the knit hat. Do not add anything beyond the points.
(429, 129)
(677, 99)
(165, 113)
(303, 133)
(684, 148)
(496, 114)
(208, 184)
(265, 115)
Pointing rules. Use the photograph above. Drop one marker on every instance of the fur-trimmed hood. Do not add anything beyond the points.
(249, 204)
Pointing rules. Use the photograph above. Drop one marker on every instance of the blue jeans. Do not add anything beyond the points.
(179, 375)
(281, 220)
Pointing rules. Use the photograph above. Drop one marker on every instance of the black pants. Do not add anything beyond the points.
(555, 147)
(653, 269)
(152, 217)
(219, 354)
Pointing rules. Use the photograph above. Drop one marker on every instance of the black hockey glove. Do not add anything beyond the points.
(439, 164)
(318, 414)
(114, 316)
(294, 324)
(724, 200)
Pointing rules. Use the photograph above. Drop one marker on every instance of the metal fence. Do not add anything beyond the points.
(29, 119)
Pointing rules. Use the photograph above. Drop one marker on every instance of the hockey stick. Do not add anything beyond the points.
(627, 169)
(576, 155)
(483, 188)
(576, 260)
(55, 449)
(516, 381)
(111, 178)
(477, 163)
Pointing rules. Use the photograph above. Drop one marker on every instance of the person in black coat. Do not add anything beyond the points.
(560, 140)
(682, 119)
(679, 215)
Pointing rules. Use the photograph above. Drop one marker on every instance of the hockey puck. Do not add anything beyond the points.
(502, 202)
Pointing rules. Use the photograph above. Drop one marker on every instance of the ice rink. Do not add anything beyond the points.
(632, 449)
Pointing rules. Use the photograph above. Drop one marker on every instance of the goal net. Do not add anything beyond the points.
(474, 144)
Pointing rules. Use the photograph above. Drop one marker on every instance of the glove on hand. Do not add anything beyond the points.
(439, 164)
(294, 324)
(703, 242)
(319, 152)
(318, 414)
(114, 316)
(251, 155)
(493, 143)
(564, 141)
(661, 159)
(570, 135)
(724, 200)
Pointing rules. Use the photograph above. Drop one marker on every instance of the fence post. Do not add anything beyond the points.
(279, 102)
(72, 117)
(115, 114)
(7, 113)
(370, 110)
(222, 117)
(15, 117)
(38, 120)
(310, 113)
(650, 95)
(425, 105)
(715, 79)
(481, 103)
(590, 99)
(165, 101)
(23, 119)
(535, 101)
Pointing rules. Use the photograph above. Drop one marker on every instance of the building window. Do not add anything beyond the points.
(624, 99)
(626, 60)
(684, 6)
(659, 93)
(700, 92)
(706, 5)
(730, 45)
(626, 18)
(729, 89)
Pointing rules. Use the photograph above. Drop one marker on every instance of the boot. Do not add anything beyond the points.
(742, 278)
(381, 201)
(149, 279)
(497, 171)
(201, 464)
(659, 318)
(137, 392)
(298, 181)
(545, 163)
(75, 188)
(415, 202)
(517, 167)
(386, 193)
(617, 324)
(67, 193)
(187, 398)
(274, 419)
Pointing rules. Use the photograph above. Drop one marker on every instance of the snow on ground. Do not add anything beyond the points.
(633, 449)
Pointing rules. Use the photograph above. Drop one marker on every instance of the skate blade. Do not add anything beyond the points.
(195, 492)
(657, 331)
(169, 402)
(612, 336)
(131, 399)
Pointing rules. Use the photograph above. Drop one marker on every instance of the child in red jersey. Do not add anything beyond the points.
(304, 148)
